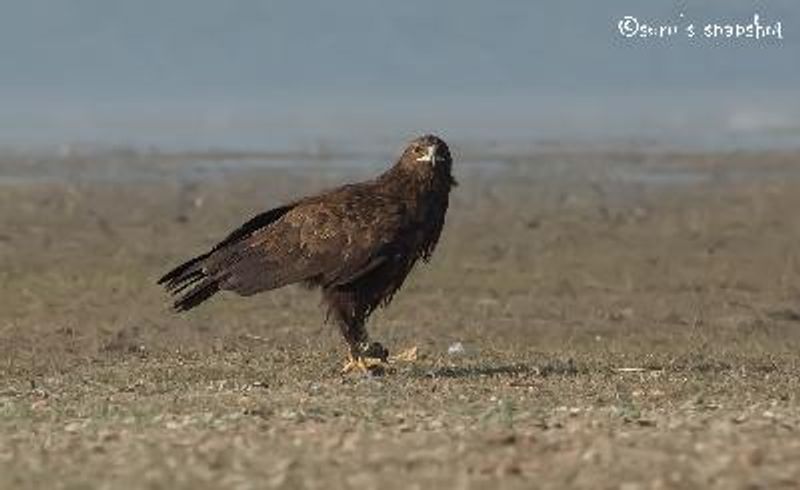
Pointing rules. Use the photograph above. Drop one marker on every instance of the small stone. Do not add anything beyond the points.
(455, 349)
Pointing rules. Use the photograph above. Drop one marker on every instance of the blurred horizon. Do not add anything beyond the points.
(280, 75)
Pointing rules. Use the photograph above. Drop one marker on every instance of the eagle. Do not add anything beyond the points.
(356, 243)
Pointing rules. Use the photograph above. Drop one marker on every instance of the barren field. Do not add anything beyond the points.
(589, 321)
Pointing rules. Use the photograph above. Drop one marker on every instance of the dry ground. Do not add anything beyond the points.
(618, 332)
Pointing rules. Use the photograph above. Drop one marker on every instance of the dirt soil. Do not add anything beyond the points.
(576, 328)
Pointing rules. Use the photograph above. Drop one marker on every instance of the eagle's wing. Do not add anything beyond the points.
(328, 242)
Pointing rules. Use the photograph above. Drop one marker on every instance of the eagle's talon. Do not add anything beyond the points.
(372, 350)
(373, 358)
(365, 365)
(367, 358)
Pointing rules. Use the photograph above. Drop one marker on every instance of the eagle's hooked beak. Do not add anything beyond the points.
(429, 156)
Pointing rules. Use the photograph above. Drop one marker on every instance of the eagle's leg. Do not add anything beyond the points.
(363, 355)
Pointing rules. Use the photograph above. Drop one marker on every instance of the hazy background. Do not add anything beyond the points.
(262, 75)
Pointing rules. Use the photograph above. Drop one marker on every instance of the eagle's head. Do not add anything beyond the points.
(430, 156)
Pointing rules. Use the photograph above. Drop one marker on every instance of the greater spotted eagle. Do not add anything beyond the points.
(357, 243)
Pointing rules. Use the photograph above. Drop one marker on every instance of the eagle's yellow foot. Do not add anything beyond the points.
(367, 358)
(375, 360)
(365, 365)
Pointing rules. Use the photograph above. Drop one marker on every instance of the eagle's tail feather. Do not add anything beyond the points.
(200, 292)
(184, 281)
(176, 277)
(192, 282)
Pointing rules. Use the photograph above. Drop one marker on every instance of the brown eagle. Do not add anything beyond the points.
(357, 243)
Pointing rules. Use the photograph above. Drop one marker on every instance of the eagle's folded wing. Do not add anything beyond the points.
(323, 242)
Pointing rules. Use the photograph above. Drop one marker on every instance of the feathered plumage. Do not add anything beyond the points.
(357, 242)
